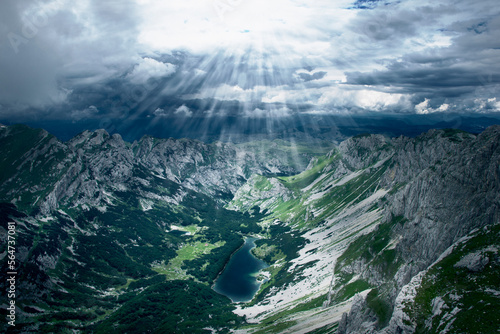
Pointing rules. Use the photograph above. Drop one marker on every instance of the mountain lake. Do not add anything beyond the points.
(238, 280)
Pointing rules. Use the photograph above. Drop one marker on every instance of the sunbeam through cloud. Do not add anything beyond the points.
(149, 60)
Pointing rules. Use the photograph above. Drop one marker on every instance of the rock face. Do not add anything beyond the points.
(474, 262)
(260, 191)
(448, 186)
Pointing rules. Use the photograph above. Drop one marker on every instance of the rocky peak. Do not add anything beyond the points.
(89, 139)
(362, 151)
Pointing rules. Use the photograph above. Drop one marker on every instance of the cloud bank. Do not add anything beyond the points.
(146, 58)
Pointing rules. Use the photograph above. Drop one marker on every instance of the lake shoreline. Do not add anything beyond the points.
(227, 262)
(236, 283)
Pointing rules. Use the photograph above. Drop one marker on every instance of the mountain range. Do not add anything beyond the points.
(372, 235)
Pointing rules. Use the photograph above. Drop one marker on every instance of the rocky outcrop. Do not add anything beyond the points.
(474, 261)
(362, 151)
(260, 191)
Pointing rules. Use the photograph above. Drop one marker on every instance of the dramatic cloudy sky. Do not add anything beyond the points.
(127, 59)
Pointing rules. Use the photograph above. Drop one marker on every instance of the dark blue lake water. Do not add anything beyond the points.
(238, 280)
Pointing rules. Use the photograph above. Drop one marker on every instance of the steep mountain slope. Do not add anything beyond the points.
(379, 212)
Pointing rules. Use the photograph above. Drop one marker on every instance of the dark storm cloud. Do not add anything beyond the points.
(126, 60)
(311, 77)
(27, 69)
(463, 72)
(418, 78)
(391, 24)
(47, 50)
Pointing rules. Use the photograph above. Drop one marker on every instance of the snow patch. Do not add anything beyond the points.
(393, 243)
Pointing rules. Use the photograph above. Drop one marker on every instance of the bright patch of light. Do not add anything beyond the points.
(271, 112)
(200, 26)
(423, 107)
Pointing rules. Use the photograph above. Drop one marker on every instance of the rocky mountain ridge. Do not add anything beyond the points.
(87, 168)
(406, 201)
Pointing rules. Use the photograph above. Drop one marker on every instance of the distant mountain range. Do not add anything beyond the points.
(299, 127)
(370, 235)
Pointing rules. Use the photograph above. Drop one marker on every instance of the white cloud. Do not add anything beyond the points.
(160, 112)
(183, 111)
(424, 108)
(225, 92)
(374, 100)
(271, 112)
(149, 68)
(276, 97)
(291, 29)
(487, 105)
(443, 107)
(369, 99)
